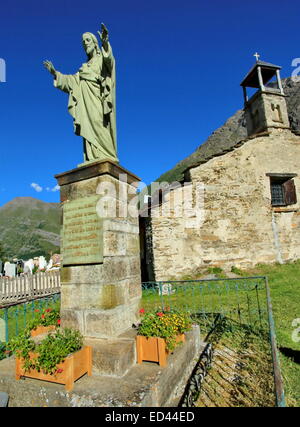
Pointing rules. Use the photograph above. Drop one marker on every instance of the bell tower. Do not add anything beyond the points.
(266, 109)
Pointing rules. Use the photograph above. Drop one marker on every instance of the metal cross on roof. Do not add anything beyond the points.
(257, 56)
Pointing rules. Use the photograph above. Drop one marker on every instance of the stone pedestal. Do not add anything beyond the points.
(100, 275)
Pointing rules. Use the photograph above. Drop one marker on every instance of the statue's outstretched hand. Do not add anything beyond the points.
(50, 67)
(104, 36)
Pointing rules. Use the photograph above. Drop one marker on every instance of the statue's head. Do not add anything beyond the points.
(90, 43)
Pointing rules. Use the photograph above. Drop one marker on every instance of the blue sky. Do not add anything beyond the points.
(179, 66)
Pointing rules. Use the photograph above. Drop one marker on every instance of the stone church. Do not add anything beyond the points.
(238, 206)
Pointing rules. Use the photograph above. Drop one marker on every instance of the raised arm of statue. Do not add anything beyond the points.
(50, 67)
(104, 37)
(107, 54)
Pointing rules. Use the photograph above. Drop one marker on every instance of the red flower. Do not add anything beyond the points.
(142, 311)
(59, 371)
(58, 321)
(48, 310)
(160, 314)
(36, 311)
(43, 316)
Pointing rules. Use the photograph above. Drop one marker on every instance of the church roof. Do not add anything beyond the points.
(268, 71)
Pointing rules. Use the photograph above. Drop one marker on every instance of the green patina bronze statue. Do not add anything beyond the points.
(92, 98)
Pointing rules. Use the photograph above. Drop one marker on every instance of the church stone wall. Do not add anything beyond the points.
(240, 227)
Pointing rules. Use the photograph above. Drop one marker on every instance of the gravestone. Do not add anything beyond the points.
(10, 269)
(6, 268)
(166, 289)
(50, 264)
(28, 266)
(42, 263)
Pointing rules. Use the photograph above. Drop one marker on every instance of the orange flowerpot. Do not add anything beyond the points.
(73, 367)
(42, 330)
(153, 349)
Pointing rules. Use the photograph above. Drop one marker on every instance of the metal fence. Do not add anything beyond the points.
(27, 287)
(245, 301)
(14, 317)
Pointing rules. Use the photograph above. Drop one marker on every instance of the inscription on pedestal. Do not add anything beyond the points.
(82, 232)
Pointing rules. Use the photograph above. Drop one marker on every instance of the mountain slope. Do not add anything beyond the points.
(29, 227)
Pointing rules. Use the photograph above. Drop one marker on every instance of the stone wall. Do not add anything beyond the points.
(265, 110)
(240, 227)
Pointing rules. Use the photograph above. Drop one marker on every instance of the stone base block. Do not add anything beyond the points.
(101, 324)
(113, 356)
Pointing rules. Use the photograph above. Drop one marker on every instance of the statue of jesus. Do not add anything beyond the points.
(92, 98)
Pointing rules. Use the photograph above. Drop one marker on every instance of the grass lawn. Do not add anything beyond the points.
(241, 374)
(284, 282)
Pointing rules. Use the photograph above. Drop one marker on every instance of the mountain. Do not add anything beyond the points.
(29, 227)
(231, 133)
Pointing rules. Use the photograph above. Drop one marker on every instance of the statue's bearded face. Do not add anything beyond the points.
(88, 43)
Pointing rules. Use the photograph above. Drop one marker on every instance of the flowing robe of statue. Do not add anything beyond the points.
(92, 105)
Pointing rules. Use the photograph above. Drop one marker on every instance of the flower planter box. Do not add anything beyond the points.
(42, 330)
(153, 349)
(73, 367)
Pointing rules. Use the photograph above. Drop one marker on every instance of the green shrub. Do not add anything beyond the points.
(164, 324)
(50, 352)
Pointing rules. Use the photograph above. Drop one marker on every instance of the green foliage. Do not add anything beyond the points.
(214, 270)
(2, 252)
(45, 317)
(50, 352)
(3, 350)
(21, 346)
(237, 271)
(165, 324)
(217, 271)
(35, 269)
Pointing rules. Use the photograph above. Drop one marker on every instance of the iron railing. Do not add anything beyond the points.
(14, 317)
(245, 301)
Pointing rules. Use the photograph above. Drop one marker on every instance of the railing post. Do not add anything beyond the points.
(279, 391)
(6, 323)
(2, 330)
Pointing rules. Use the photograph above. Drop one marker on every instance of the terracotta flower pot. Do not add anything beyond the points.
(72, 368)
(42, 330)
(153, 349)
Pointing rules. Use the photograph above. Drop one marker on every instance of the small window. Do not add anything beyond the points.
(283, 190)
